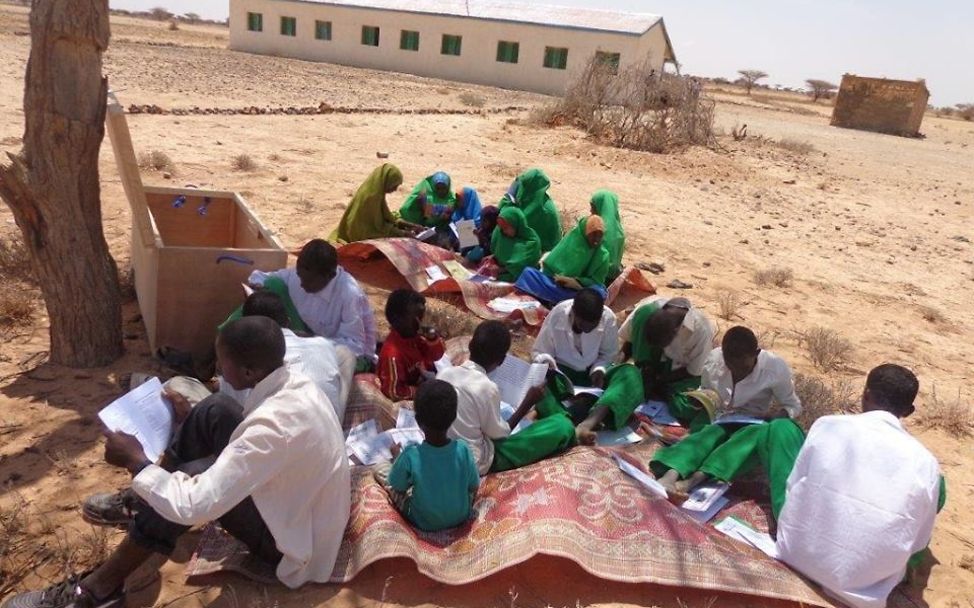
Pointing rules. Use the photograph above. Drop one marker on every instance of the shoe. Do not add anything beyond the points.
(117, 509)
(66, 594)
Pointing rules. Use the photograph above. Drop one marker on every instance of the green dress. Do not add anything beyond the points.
(573, 257)
(424, 197)
(516, 253)
(606, 205)
(368, 215)
(530, 194)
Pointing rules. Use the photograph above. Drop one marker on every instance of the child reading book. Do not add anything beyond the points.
(433, 484)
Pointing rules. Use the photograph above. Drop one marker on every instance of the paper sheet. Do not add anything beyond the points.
(464, 231)
(405, 437)
(703, 497)
(515, 377)
(624, 436)
(142, 412)
(705, 516)
(588, 390)
(425, 234)
(509, 305)
(457, 270)
(507, 410)
(435, 273)
(368, 445)
(645, 480)
(406, 419)
(736, 529)
(248, 290)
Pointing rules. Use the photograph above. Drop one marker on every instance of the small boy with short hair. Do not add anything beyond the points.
(408, 355)
(433, 484)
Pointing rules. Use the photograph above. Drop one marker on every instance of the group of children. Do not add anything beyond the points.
(264, 454)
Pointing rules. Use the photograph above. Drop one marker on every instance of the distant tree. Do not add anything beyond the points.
(192, 17)
(821, 88)
(750, 77)
(160, 14)
(966, 110)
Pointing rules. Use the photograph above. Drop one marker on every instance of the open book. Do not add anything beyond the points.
(515, 377)
(142, 412)
(464, 231)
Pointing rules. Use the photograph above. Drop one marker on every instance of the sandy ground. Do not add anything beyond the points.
(876, 229)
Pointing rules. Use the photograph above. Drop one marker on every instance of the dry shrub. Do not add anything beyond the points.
(15, 261)
(796, 146)
(823, 399)
(636, 109)
(155, 160)
(243, 162)
(827, 350)
(728, 305)
(16, 305)
(931, 314)
(953, 416)
(473, 100)
(173, 26)
(778, 277)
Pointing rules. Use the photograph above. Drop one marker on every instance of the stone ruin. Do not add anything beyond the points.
(888, 106)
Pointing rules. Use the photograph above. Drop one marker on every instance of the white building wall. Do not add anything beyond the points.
(476, 64)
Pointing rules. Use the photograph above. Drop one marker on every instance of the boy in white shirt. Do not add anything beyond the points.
(863, 495)
(739, 378)
(248, 465)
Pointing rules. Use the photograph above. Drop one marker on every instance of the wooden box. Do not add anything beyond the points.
(191, 251)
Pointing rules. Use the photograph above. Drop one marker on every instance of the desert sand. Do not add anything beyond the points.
(876, 229)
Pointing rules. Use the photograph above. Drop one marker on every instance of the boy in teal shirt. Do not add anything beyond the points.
(433, 484)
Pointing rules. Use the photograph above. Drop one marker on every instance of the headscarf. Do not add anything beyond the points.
(573, 257)
(516, 253)
(594, 224)
(529, 192)
(488, 221)
(606, 205)
(643, 351)
(471, 207)
(367, 215)
(423, 206)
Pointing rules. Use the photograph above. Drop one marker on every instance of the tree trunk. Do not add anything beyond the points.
(52, 186)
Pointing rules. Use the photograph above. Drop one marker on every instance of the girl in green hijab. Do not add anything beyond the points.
(514, 244)
(368, 216)
(431, 203)
(529, 192)
(579, 261)
(605, 204)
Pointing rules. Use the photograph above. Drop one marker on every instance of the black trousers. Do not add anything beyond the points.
(194, 448)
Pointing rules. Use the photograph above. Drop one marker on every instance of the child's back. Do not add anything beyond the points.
(443, 480)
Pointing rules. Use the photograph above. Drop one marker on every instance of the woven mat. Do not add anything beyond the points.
(578, 506)
(402, 262)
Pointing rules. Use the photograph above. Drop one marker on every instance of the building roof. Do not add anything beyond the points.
(520, 12)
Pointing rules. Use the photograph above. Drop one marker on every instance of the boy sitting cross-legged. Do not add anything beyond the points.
(433, 484)
(408, 355)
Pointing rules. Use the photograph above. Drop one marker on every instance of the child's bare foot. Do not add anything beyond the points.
(585, 436)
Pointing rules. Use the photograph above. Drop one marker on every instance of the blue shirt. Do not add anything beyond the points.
(443, 480)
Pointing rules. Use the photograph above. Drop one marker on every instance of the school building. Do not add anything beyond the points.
(524, 46)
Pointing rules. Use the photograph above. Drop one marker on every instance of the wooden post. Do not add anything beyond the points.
(52, 186)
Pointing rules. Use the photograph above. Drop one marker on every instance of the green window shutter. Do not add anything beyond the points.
(610, 60)
(323, 30)
(255, 22)
(370, 35)
(289, 26)
(451, 45)
(507, 52)
(555, 58)
(409, 40)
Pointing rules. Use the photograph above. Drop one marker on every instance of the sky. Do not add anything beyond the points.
(791, 40)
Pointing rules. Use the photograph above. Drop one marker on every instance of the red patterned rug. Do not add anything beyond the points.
(579, 506)
(395, 263)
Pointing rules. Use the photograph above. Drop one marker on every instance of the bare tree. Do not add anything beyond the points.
(160, 14)
(821, 88)
(52, 186)
(750, 77)
(192, 17)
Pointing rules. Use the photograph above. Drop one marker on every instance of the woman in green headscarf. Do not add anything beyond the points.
(368, 216)
(605, 204)
(579, 261)
(529, 192)
(431, 203)
(514, 244)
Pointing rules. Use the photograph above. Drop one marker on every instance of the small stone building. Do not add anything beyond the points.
(882, 105)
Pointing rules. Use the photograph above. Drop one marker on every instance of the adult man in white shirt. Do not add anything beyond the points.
(328, 299)
(479, 420)
(668, 341)
(742, 380)
(580, 338)
(862, 497)
(279, 482)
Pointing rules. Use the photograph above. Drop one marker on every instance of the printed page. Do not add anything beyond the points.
(405, 437)
(464, 229)
(515, 377)
(367, 445)
(658, 412)
(435, 273)
(737, 529)
(645, 480)
(406, 419)
(703, 497)
(705, 516)
(624, 436)
(142, 412)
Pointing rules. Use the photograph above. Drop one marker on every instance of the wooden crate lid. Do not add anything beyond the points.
(128, 170)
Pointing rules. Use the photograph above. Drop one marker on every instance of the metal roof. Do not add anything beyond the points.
(519, 12)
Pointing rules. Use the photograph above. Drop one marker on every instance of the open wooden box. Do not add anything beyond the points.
(191, 250)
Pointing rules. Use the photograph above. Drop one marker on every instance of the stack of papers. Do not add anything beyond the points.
(142, 412)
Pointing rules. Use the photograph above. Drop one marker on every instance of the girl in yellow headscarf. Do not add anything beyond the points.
(368, 216)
